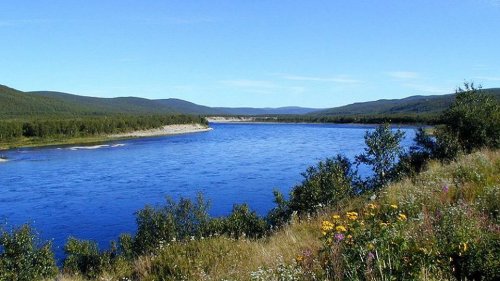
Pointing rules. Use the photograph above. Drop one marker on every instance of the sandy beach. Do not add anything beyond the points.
(165, 131)
(220, 119)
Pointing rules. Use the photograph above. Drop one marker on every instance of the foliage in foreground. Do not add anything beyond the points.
(23, 258)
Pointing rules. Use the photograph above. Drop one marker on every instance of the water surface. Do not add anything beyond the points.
(93, 192)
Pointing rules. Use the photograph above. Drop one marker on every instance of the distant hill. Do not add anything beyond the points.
(14, 103)
(17, 104)
(410, 105)
(295, 110)
(187, 107)
(126, 105)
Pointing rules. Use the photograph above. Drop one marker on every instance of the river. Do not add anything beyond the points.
(92, 192)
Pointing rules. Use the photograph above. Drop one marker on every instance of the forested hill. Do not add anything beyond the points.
(18, 104)
(410, 105)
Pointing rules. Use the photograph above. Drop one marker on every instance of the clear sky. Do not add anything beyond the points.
(250, 53)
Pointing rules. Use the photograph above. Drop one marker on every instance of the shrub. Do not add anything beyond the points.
(23, 257)
(175, 221)
(473, 119)
(244, 222)
(325, 184)
(83, 257)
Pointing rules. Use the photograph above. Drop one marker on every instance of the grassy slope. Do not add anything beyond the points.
(473, 179)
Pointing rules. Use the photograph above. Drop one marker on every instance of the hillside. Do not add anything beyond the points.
(187, 107)
(93, 105)
(295, 110)
(410, 105)
(18, 104)
(14, 103)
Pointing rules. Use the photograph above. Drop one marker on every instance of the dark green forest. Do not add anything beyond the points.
(88, 126)
(43, 115)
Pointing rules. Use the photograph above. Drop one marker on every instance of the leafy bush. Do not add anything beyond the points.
(473, 119)
(382, 152)
(23, 257)
(175, 221)
(244, 222)
(327, 183)
(83, 257)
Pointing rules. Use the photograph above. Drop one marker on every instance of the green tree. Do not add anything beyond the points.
(382, 153)
(473, 120)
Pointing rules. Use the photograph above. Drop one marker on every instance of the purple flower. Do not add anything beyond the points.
(445, 188)
(307, 253)
(339, 236)
(371, 255)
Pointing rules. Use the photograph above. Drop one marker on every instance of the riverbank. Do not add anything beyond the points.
(167, 130)
(454, 210)
(164, 131)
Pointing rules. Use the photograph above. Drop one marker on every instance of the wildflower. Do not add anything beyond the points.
(335, 217)
(341, 228)
(326, 226)
(394, 206)
(371, 246)
(299, 258)
(371, 206)
(371, 256)
(349, 236)
(462, 247)
(402, 217)
(384, 224)
(339, 237)
(446, 188)
(352, 215)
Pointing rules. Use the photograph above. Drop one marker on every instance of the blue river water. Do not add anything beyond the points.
(92, 192)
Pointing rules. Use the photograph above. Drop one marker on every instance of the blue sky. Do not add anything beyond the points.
(250, 53)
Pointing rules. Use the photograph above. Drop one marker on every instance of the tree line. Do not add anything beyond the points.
(88, 126)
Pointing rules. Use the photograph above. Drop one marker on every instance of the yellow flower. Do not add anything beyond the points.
(371, 206)
(402, 217)
(299, 258)
(326, 226)
(371, 246)
(394, 206)
(352, 215)
(384, 224)
(349, 236)
(463, 247)
(341, 228)
(335, 217)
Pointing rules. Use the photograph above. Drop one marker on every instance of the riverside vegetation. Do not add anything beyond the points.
(62, 130)
(429, 213)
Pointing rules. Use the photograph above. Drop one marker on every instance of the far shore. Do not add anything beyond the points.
(164, 131)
